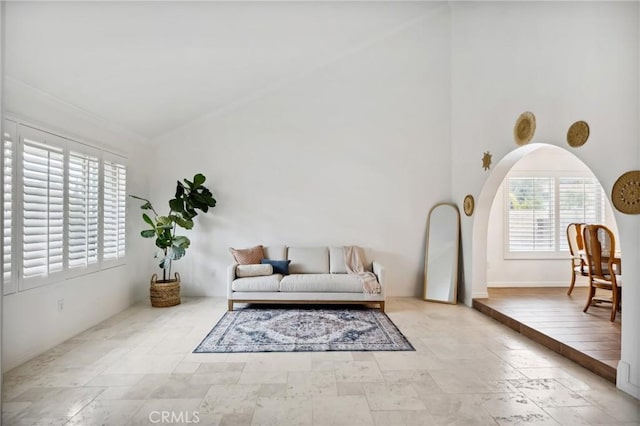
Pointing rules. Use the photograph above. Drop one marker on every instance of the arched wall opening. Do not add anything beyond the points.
(482, 216)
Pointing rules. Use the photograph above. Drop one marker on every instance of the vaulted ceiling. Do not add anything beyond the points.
(150, 67)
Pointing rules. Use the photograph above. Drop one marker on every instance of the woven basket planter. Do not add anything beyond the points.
(165, 293)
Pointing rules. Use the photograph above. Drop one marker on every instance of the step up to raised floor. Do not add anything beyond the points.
(605, 368)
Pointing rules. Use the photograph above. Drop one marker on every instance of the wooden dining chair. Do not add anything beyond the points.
(576, 248)
(600, 248)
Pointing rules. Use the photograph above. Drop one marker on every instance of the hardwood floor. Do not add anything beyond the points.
(555, 320)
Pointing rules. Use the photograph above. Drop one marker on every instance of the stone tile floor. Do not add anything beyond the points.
(137, 368)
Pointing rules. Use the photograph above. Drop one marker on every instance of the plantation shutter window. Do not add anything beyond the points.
(64, 212)
(581, 201)
(114, 210)
(8, 158)
(43, 206)
(531, 214)
(83, 207)
(540, 205)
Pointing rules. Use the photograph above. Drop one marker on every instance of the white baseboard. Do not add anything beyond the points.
(623, 382)
(480, 295)
(533, 284)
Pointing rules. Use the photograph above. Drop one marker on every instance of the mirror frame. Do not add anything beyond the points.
(457, 255)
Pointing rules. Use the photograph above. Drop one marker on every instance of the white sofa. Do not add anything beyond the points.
(316, 275)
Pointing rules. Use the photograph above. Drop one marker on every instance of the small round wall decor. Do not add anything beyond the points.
(626, 193)
(578, 134)
(468, 205)
(525, 128)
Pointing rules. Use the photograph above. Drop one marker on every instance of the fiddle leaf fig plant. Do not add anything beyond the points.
(190, 198)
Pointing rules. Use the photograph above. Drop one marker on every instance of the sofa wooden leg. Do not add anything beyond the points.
(381, 306)
(230, 303)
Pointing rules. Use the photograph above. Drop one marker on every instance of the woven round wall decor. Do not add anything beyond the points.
(525, 128)
(625, 193)
(468, 205)
(578, 134)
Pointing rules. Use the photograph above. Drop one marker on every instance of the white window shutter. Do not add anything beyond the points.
(83, 210)
(531, 214)
(114, 210)
(9, 150)
(64, 208)
(581, 200)
(43, 208)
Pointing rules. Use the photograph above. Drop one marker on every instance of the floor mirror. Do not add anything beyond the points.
(442, 254)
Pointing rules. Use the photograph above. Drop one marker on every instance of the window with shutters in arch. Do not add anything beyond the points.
(540, 206)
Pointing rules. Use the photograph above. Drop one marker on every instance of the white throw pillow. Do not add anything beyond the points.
(308, 260)
(244, 271)
(336, 260)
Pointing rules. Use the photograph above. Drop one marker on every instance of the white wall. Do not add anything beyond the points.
(503, 272)
(629, 367)
(31, 320)
(629, 373)
(2, 68)
(355, 152)
(564, 62)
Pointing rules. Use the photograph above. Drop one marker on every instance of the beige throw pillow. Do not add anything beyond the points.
(243, 271)
(249, 256)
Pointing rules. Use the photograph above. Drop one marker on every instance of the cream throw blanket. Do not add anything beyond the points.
(353, 261)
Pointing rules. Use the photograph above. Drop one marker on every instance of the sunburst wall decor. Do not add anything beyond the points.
(486, 160)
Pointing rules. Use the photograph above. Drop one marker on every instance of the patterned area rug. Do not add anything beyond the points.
(304, 330)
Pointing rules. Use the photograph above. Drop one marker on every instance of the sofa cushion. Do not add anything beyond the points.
(243, 271)
(249, 256)
(336, 260)
(308, 260)
(279, 266)
(335, 283)
(265, 283)
(275, 252)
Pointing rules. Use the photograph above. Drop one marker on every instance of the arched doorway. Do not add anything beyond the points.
(533, 293)
(483, 211)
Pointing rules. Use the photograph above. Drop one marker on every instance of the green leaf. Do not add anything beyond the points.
(162, 242)
(175, 252)
(165, 263)
(207, 198)
(179, 190)
(148, 233)
(182, 242)
(164, 222)
(147, 219)
(176, 205)
(198, 198)
(147, 204)
(198, 180)
(183, 223)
